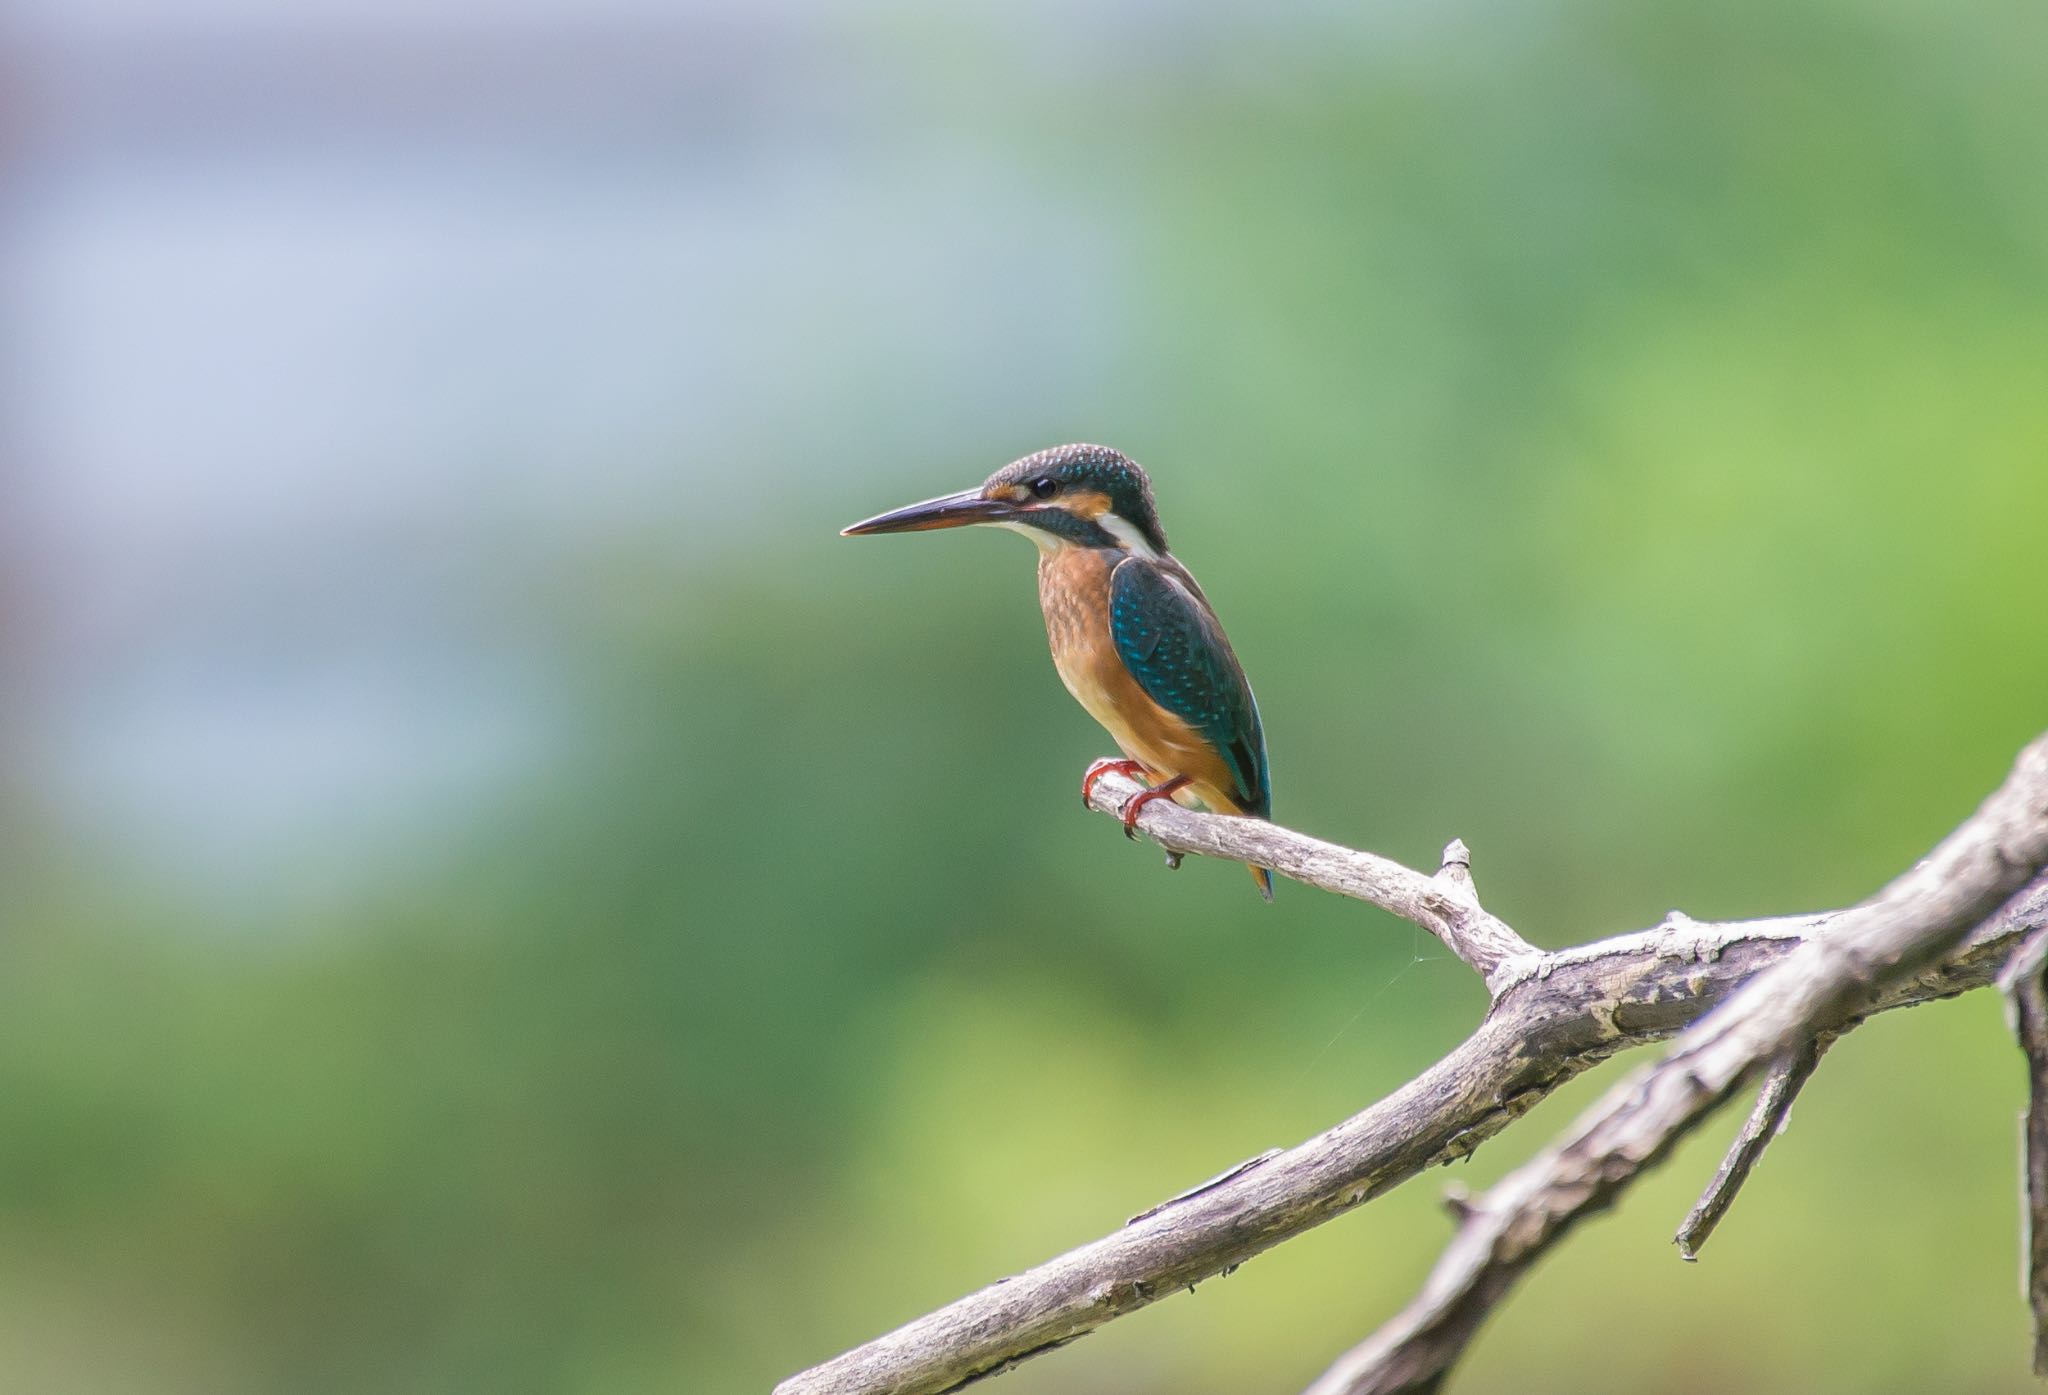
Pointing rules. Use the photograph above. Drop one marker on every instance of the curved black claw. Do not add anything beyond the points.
(1164, 790)
(1103, 767)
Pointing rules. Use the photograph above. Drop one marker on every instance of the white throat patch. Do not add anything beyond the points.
(1047, 542)
(1126, 532)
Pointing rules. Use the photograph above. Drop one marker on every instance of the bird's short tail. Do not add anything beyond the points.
(1263, 878)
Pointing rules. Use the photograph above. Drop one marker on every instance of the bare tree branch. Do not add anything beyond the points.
(2026, 1001)
(1912, 922)
(1443, 905)
(1552, 1016)
(1766, 1121)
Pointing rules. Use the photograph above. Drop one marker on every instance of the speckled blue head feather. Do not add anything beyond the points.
(1095, 469)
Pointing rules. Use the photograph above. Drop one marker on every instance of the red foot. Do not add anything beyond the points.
(1144, 797)
(1104, 767)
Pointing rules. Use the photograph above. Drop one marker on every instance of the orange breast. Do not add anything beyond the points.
(1073, 590)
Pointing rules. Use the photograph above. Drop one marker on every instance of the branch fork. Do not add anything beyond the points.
(1741, 1002)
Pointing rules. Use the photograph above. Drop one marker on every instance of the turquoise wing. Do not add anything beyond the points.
(1170, 641)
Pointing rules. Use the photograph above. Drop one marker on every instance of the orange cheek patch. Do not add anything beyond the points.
(1088, 504)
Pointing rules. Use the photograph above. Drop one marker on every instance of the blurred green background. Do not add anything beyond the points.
(500, 898)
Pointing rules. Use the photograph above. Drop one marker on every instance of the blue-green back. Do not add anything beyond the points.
(1171, 642)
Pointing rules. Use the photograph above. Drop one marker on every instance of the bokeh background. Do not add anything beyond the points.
(499, 897)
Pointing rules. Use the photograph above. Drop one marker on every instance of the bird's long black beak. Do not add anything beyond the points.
(951, 511)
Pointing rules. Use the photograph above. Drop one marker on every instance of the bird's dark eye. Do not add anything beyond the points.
(1044, 487)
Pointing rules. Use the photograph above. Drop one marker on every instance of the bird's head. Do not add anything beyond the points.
(1069, 496)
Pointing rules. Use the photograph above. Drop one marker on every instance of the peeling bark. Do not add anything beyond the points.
(1551, 1016)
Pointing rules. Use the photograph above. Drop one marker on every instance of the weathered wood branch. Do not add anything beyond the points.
(2026, 999)
(1444, 904)
(1552, 1016)
(1914, 921)
(1766, 1121)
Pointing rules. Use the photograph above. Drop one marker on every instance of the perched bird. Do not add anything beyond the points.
(1133, 637)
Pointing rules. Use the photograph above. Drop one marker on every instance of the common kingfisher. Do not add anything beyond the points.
(1133, 637)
